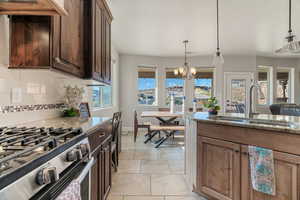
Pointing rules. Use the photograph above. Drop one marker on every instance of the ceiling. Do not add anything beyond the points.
(158, 27)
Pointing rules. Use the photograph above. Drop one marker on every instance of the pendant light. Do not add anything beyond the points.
(186, 72)
(218, 57)
(292, 45)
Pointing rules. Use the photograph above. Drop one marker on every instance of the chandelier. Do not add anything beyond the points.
(292, 45)
(218, 57)
(186, 72)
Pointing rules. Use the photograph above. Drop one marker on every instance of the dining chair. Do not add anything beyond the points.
(197, 109)
(137, 126)
(114, 145)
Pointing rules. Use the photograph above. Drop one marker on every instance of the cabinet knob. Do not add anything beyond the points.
(47, 175)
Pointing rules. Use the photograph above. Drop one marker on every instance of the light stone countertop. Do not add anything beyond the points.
(293, 128)
(74, 122)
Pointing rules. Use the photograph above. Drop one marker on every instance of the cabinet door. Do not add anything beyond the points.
(107, 50)
(72, 38)
(97, 54)
(219, 168)
(95, 179)
(287, 177)
(106, 169)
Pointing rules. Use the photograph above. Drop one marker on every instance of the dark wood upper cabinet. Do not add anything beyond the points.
(78, 44)
(81, 40)
(71, 38)
(33, 7)
(30, 43)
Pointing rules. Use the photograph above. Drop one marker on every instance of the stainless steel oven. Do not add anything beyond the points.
(79, 172)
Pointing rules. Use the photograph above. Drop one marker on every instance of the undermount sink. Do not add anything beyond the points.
(254, 121)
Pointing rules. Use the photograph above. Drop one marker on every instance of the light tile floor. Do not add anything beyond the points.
(146, 173)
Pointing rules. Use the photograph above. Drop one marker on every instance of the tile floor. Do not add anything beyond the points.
(146, 173)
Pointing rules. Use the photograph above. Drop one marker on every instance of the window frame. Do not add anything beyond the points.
(156, 85)
(269, 71)
(291, 83)
(102, 106)
(171, 69)
(205, 69)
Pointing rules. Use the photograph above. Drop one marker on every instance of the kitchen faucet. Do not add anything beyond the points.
(257, 86)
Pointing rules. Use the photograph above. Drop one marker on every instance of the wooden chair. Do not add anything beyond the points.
(136, 126)
(114, 145)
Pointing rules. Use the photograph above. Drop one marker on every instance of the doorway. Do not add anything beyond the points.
(236, 87)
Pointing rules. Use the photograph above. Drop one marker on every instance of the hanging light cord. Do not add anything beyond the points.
(218, 34)
(185, 52)
(290, 16)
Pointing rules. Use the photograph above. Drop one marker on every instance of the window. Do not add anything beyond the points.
(147, 85)
(264, 82)
(174, 86)
(102, 96)
(203, 85)
(283, 86)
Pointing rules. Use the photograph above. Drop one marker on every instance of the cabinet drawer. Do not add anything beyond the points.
(96, 138)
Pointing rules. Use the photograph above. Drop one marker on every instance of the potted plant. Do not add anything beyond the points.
(73, 98)
(212, 106)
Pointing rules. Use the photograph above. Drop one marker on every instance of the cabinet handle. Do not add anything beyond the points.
(237, 151)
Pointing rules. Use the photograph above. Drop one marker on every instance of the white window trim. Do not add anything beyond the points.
(156, 86)
(291, 91)
(270, 85)
(214, 80)
(102, 106)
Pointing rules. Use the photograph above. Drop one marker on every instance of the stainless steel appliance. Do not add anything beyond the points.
(40, 163)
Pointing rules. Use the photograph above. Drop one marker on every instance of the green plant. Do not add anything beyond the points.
(71, 112)
(212, 104)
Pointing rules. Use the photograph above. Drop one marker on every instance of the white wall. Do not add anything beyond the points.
(48, 86)
(128, 78)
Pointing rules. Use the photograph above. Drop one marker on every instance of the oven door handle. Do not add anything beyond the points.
(86, 170)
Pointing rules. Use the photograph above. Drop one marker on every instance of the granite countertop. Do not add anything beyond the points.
(87, 125)
(294, 122)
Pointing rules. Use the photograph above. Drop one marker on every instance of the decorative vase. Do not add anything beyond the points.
(213, 112)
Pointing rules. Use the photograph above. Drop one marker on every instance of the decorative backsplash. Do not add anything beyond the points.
(24, 108)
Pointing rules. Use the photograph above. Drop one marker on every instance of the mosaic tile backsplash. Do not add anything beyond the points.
(23, 108)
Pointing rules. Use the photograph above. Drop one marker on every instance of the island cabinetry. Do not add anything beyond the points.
(219, 168)
(287, 177)
(223, 166)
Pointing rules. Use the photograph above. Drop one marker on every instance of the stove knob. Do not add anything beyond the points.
(74, 155)
(85, 149)
(47, 175)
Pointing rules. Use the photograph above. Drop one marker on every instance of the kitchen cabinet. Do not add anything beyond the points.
(30, 44)
(82, 41)
(100, 142)
(223, 168)
(287, 169)
(33, 7)
(219, 168)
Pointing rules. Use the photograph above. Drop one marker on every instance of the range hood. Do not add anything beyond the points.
(292, 46)
(32, 7)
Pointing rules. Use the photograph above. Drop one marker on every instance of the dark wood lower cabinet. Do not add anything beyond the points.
(101, 170)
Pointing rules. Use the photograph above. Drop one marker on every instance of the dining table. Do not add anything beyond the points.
(164, 117)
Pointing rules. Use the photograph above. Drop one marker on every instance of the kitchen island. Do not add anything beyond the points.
(218, 147)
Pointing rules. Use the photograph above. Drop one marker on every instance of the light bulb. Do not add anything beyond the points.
(193, 71)
(181, 70)
(176, 72)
